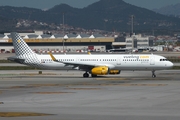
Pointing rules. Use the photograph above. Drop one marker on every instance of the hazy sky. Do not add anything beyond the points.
(45, 4)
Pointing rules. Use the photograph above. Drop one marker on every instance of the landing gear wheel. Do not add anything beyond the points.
(92, 75)
(153, 74)
(86, 75)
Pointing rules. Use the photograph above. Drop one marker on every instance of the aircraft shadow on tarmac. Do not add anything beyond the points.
(96, 78)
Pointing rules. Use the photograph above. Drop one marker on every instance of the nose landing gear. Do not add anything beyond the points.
(153, 74)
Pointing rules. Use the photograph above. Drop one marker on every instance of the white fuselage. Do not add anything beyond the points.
(113, 61)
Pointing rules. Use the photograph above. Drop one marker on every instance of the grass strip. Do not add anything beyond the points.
(17, 68)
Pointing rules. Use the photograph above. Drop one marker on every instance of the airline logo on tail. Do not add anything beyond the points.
(21, 48)
(24, 54)
(19, 41)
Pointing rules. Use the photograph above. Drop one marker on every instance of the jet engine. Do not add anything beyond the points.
(103, 70)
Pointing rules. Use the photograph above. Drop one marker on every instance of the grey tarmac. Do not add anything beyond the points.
(66, 95)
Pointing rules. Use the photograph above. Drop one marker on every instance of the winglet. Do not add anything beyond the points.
(52, 57)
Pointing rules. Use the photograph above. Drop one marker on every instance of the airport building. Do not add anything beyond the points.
(135, 41)
(42, 43)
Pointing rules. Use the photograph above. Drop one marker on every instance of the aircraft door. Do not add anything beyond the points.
(118, 61)
(152, 60)
(77, 60)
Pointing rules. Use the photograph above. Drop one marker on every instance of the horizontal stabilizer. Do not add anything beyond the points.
(15, 59)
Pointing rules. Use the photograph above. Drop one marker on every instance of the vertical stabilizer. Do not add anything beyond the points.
(24, 54)
(20, 47)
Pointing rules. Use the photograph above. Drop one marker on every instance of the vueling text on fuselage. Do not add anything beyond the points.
(136, 57)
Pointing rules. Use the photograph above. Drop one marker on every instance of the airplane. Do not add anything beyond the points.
(94, 64)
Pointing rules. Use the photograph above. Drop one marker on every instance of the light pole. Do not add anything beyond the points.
(132, 24)
(63, 32)
(64, 40)
(132, 30)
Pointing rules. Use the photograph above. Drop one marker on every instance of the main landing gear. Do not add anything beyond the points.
(85, 75)
(153, 74)
(92, 75)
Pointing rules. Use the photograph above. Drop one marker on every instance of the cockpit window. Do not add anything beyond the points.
(164, 60)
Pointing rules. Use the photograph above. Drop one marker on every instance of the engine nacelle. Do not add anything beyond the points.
(100, 70)
(114, 72)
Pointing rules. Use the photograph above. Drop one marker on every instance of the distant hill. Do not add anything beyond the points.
(169, 10)
(111, 15)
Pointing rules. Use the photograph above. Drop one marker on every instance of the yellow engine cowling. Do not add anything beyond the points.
(114, 72)
(100, 70)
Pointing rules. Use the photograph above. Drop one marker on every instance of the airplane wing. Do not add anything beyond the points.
(83, 66)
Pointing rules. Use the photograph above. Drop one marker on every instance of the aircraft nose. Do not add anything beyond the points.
(170, 64)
